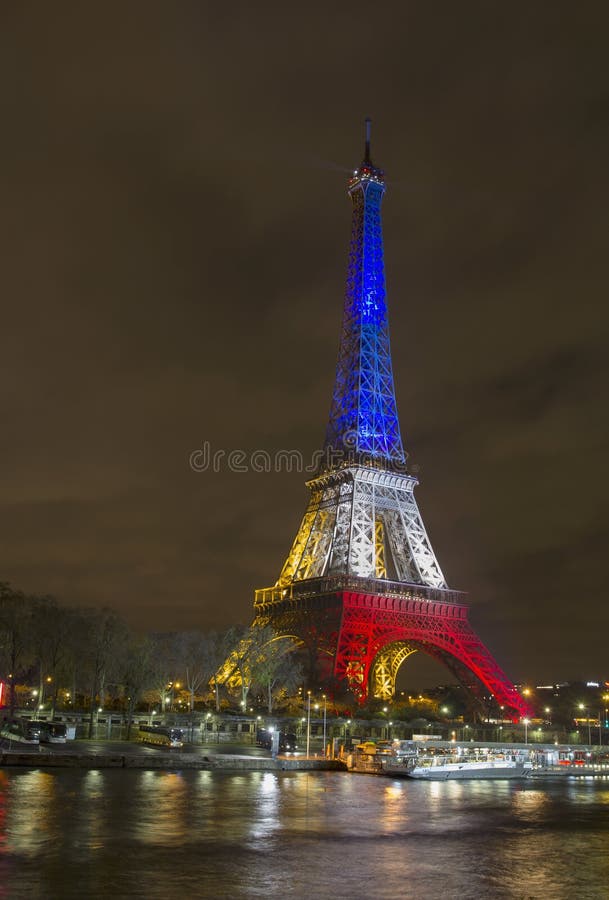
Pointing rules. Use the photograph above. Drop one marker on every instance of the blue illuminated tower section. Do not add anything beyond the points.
(363, 425)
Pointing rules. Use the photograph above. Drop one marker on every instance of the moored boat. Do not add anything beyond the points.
(504, 768)
(444, 768)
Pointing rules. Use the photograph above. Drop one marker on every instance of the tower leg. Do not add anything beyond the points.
(371, 623)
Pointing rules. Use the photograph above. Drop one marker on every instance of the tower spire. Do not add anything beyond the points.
(363, 426)
(367, 159)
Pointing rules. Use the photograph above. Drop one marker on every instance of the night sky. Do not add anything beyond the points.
(174, 240)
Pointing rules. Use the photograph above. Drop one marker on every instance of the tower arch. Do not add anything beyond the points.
(385, 668)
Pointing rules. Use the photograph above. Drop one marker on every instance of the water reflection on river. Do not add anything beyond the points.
(119, 833)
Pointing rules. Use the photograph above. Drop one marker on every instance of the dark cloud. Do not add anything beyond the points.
(174, 232)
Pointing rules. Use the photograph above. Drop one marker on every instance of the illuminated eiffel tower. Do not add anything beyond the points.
(361, 588)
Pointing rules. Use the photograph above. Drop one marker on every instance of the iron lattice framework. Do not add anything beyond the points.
(361, 588)
(363, 422)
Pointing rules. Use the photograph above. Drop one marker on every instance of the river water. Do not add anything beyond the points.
(124, 833)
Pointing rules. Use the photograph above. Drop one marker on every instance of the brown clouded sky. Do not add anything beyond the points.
(174, 228)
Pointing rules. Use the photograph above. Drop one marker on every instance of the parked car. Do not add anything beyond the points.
(287, 740)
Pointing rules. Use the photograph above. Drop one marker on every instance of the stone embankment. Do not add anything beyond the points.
(212, 762)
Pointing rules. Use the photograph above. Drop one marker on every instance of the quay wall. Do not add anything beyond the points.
(213, 762)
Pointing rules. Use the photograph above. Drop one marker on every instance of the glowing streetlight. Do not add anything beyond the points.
(525, 722)
(308, 722)
(584, 709)
(325, 713)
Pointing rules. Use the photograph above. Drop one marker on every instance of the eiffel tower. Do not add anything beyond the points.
(361, 588)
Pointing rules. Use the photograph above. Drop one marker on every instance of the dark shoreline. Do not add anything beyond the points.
(211, 762)
(223, 763)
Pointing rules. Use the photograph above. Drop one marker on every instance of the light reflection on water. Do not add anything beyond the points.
(129, 833)
(163, 800)
(29, 834)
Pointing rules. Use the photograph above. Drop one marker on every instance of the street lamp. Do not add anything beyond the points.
(325, 714)
(386, 729)
(525, 722)
(584, 709)
(308, 722)
(316, 708)
(44, 682)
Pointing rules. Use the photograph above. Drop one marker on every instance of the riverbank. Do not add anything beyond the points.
(169, 761)
(218, 762)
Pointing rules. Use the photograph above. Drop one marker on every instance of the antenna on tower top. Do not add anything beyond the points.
(367, 150)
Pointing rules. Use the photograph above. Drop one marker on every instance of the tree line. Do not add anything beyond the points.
(92, 654)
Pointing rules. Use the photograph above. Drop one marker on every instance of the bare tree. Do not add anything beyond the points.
(197, 660)
(51, 627)
(165, 664)
(136, 670)
(255, 659)
(105, 633)
(75, 667)
(15, 634)
(275, 671)
(221, 643)
(237, 669)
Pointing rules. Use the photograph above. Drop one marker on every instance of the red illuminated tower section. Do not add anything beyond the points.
(361, 588)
